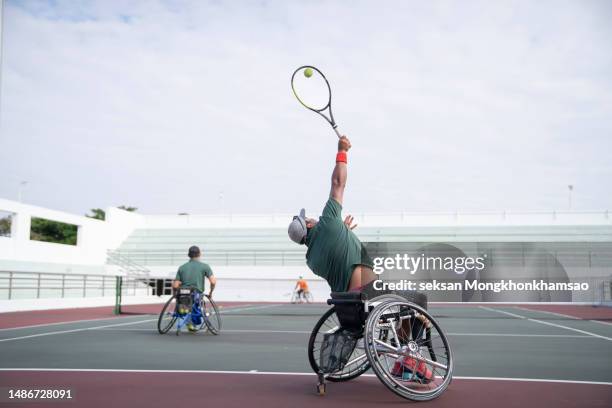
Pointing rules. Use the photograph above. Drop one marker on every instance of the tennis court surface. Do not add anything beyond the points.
(506, 355)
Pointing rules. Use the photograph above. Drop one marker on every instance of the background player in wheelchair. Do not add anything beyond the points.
(189, 284)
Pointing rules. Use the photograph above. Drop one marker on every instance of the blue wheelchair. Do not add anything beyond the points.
(189, 307)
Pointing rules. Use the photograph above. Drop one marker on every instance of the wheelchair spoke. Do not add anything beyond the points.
(417, 356)
(382, 343)
(356, 359)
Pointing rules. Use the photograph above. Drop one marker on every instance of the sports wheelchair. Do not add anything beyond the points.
(397, 338)
(304, 297)
(189, 306)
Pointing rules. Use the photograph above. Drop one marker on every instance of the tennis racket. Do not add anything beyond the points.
(314, 92)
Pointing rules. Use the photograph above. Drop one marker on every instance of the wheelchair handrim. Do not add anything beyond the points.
(406, 389)
(213, 320)
(164, 315)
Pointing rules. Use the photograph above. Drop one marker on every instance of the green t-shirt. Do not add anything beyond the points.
(333, 249)
(192, 274)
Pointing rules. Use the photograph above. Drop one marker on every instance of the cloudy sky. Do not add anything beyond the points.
(186, 106)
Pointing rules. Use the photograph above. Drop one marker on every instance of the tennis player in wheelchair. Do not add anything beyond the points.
(337, 255)
(193, 274)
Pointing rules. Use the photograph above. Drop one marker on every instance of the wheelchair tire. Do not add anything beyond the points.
(412, 296)
(418, 298)
(377, 341)
(166, 318)
(213, 322)
(312, 359)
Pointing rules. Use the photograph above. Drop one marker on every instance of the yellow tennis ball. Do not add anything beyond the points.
(308, 72)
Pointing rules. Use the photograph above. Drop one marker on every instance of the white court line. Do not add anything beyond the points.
(519, 335)
(547, 312)
(233, 331)
(67, 322)
(74, 330)
(255, 372)
(502, 311)
(602, 322)
(562, 315)
(32, 326)
(248, 308)
(547, 323)
(448, 334)
(101, 327)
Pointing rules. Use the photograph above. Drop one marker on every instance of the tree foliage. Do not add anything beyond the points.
(5, 226)
(53, 231)
(97, 213)
(100, 214)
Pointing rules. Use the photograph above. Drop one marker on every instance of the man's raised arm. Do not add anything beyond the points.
(339, 174)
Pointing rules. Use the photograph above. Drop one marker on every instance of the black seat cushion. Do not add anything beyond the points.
(350, 309)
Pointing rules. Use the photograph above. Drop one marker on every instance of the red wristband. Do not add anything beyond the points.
(341, 157)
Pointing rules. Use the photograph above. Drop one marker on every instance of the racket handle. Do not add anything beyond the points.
(337, 132)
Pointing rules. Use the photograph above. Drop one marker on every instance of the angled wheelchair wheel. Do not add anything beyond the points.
(357, 363)
(212, 316)
(408, 350)
(167, 317)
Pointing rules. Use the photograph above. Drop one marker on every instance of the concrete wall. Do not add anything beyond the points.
(95, 237)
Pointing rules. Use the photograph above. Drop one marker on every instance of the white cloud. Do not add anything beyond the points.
(449, 105)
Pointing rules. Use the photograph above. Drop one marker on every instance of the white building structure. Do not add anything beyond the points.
(250, 254)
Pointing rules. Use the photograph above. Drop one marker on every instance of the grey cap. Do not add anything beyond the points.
(297, 228)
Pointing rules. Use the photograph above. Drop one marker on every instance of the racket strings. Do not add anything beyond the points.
(313, 92)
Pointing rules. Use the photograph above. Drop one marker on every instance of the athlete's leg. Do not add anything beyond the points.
(409, 328)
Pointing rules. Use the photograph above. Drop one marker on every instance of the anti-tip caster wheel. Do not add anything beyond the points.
(321, 389)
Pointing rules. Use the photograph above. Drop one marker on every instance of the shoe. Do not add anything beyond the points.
(191, 327)
(405, 368)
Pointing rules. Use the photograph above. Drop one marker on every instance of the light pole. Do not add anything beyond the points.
(22, 184)
(570, 188)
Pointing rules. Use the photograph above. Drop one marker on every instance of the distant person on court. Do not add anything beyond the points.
(193, 273)
(302, 288)
(336, 254)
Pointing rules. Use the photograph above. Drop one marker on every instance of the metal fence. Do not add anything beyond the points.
(36, 285)
(228, 257)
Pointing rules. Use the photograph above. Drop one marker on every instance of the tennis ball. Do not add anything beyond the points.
(308, 72)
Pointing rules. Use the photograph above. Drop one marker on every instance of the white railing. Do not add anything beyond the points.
(229, 257)
(126, 265)
(36, 285)
(424, 218)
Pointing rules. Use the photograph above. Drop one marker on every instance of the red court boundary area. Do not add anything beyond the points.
(41, 317)
(586, 312)
(228, 390)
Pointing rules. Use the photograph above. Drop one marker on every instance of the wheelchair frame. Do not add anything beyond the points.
(369, 320)
(182, 319)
